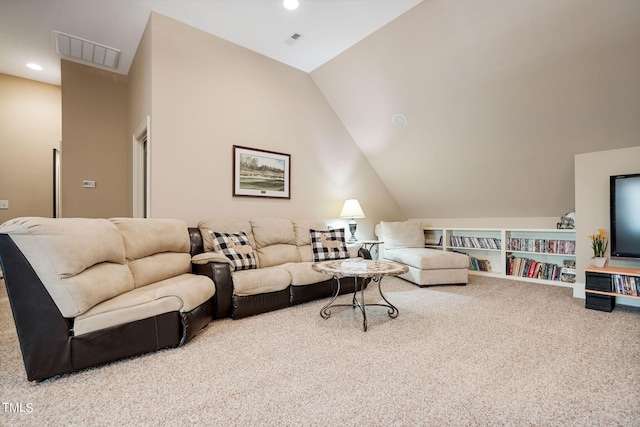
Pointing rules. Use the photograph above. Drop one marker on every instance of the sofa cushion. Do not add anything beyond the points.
(302, 273)
(223, 226)
(306, 253)
(143, 236)
(273, 255)
(70, 255)
(272, 231)
(156, 249)
(427, 259)
(236, 247)
(301, 229)
(328, 244)
(181, 293)
(404, 234)
(263, 280)
(160, 266)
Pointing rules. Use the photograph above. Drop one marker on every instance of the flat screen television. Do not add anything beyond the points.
(625, 215)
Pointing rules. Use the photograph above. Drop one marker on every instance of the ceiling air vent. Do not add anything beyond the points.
(75, 47)
(293, 38)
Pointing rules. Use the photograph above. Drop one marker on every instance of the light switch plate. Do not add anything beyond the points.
(4, 204)
(88, 184)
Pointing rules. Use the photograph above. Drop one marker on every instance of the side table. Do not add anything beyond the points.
(370, 245)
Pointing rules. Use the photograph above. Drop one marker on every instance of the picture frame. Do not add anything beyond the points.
(261, 173)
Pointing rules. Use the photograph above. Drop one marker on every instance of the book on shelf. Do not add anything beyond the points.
(626, 285)
(475, 242)
(476, 264)
(530, 268)
(568, 271)
(545, 246)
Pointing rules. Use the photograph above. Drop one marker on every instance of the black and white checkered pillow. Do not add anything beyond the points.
(236, 247)
(328, 244)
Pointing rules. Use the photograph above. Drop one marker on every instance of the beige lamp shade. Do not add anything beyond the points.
(351, 209)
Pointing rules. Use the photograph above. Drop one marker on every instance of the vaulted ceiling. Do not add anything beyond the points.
(499, 96)
(325, 27)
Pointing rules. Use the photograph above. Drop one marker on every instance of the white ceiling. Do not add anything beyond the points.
(328, 27)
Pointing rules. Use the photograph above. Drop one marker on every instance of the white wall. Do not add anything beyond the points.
(592, 205)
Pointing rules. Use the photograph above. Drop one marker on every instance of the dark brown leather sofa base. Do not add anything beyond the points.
(46, 341)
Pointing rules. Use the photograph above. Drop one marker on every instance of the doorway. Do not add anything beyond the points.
(142, 170)
(56, 183)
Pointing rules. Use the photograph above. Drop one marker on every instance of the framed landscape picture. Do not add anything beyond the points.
(261, 173)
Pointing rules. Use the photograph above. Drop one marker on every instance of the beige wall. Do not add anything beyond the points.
(592, 204)
(95, 142)
(499, 97)
(209, 94)
(30, 128)
(139, 79)
(496, 222)
(140, 82)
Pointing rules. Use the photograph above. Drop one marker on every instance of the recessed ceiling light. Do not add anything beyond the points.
(34, 66)
(290, 4)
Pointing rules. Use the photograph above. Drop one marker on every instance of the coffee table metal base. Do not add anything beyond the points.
(325, 312)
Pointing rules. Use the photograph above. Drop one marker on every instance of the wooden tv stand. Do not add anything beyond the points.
(600, 293)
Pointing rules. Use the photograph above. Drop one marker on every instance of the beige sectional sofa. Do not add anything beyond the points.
(87, 291)
(90, 291)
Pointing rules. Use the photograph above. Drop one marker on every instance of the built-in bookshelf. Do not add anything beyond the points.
(539, 255)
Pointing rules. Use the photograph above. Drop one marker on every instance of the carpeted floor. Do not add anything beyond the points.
(495, 352)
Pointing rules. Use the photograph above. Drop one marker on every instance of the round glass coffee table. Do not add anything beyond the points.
(360, 269)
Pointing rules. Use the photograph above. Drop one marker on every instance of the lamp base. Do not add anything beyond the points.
(352, 229)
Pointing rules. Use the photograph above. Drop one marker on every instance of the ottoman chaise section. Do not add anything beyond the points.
(404, 242)
(431, 266)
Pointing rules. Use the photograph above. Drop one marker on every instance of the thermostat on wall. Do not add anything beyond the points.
(88, 184)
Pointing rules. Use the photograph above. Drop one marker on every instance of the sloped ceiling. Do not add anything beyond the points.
(328, 27)
(499, 96)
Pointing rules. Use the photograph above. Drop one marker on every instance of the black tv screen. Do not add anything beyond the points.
(625, 215)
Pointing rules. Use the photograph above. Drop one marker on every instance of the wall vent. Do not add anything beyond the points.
(85, 50)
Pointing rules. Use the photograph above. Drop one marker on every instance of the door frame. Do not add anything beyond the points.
(142, 170)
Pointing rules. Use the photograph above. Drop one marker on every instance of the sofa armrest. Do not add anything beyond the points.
(207, 257)
(43, 333)
(364, 253)
(220, 273)
(196, 245)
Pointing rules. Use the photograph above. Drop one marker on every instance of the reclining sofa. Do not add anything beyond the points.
(84, 292)
(282, 275)
(89, 291)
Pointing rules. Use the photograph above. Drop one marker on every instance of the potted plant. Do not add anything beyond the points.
(599, 244)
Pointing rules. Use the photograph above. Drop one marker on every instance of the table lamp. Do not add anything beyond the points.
(352, 209)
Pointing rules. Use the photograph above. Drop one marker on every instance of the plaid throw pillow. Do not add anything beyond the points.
(236, 247)
(328, 244)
